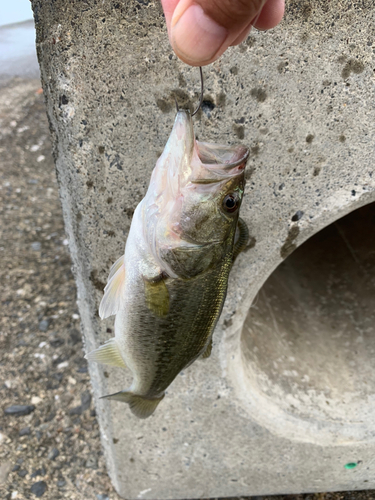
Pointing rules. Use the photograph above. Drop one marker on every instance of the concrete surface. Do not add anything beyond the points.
(268, 412)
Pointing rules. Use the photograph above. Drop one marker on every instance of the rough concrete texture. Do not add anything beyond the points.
(285, 402)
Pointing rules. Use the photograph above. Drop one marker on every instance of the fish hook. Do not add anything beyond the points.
(201, 97)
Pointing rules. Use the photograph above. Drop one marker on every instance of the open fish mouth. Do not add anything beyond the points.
(220, 156)
(217, 162)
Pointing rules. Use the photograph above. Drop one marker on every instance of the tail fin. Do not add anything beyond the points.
(140, 406)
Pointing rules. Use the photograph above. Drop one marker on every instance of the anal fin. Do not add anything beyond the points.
(140, 406)
(207, 352)
(108, 354)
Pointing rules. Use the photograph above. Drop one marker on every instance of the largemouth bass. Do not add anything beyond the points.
(168, 289)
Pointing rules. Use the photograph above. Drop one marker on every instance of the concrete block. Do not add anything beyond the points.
(286, 402)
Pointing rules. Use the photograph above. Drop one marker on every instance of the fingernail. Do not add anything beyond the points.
(196, 38)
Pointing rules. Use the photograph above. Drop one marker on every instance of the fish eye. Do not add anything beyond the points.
(231, 202)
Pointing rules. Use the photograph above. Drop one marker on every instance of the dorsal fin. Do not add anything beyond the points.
(113, 291)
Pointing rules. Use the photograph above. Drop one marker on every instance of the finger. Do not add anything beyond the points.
(267, 18)
(270, 15)
(201, 30)
(169, 7)
(243, 35)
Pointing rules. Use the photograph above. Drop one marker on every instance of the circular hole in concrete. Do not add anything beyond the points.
(308, 342)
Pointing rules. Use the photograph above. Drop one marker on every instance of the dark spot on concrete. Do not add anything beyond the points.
(352, 66)
(240, 120)
(316, 171)
(239, 131)
(297, 216)
(115, 440)
(306, 11)
(282, 66)
(234, 70)
(228, 322)
(242, 47)
(342, 59)
(353, 192)
(132, 459)
(309, 138)
(79, 216)
(106, 374)
(251, 244)
(129, 212)
(289, 245)
(221, 99)
(208, 106)
(183, 100)
(109, 200)
(89, 184)
(329, 108)
(250, 42)
(164, 105)
(255, 150)
(326, 83)
(282, 186)
(181, 80)
(99, 285)
(259, 94)
(291, 149)
(111, 233)
(101, 149)
(63, 100)
(249, 172)
(342, 138)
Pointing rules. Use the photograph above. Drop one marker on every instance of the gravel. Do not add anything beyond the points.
(50, 439)
(26, 431)
(19, 410)
(39, 488)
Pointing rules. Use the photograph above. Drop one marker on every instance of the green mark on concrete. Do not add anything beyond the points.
(351, 465)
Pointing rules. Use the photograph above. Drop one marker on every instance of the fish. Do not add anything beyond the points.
(168, 289)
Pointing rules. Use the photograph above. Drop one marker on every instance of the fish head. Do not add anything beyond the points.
(193, 202)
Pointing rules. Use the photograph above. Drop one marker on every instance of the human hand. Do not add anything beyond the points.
(201, 30)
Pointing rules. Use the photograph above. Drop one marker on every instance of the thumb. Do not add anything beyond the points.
(201, 30)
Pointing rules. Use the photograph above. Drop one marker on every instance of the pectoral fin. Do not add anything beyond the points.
(141, 407)
(243, 238)
(157, 296)
(108, 354)
(207, 352)
(111, 300)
